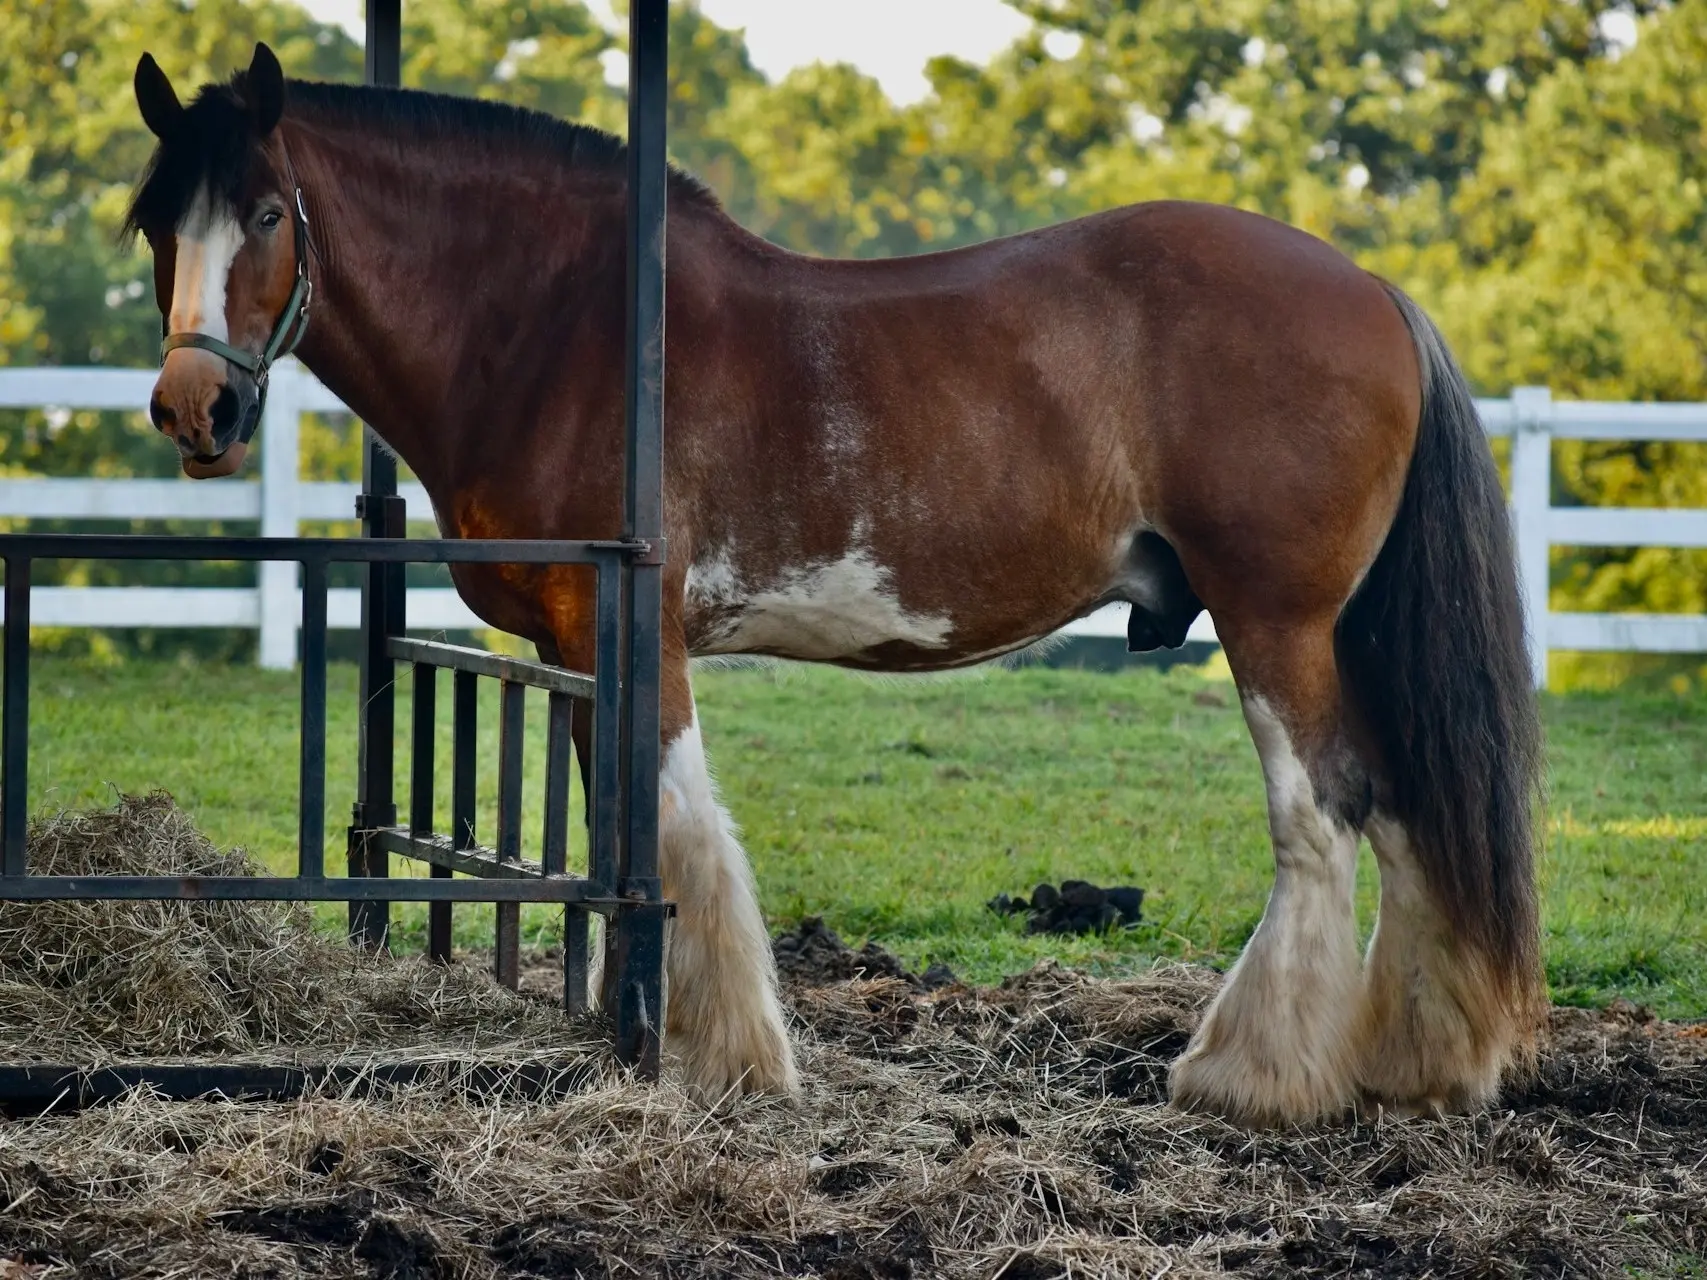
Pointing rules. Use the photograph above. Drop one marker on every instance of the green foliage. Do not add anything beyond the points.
(1581, 261)
(1540, 190)
(71, 144)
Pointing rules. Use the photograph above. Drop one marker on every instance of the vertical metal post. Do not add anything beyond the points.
(15, 721)
(423, 711)
(512, 732)
(465, 710)
(605, 807)
(559, 726)
(382, 614)
(554, 845)
(376, 799)
(604, 832)
(640, 928)
(311, 765)
(383, 63)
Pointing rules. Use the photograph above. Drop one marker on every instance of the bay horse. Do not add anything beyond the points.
(923, 463)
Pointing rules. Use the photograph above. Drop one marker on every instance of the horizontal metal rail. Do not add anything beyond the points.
(36, 1088)
(456, 657)
(442, 851)
(33, 888)
(122, 546)
(500, 876)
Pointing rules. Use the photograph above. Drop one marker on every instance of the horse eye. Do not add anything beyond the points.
(270, 219)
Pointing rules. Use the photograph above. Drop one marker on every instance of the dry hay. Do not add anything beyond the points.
(97, 981)
(1014, 1131)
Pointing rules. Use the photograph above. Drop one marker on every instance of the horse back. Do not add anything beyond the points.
(920, 461)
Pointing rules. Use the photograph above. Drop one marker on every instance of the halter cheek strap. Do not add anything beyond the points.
(287, 329)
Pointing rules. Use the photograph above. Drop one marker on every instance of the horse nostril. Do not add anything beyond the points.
(224, 414)
(162, 417)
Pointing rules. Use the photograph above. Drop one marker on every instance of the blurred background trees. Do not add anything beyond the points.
(1531, 173)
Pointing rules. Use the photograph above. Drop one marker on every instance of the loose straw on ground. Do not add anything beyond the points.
(1018, 1131)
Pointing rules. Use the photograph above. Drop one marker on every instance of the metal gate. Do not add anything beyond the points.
(621, 694)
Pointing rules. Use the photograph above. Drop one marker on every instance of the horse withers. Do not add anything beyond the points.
(923, 463)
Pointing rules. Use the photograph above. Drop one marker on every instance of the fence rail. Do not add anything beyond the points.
(280, 502)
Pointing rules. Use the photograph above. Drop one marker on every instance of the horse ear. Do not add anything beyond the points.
(156, 98)
(265, 89)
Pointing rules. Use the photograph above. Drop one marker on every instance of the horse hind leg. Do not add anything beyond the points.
(1436, 1035)
(1279, 1043)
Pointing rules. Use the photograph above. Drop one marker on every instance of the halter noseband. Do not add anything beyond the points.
(287, 329)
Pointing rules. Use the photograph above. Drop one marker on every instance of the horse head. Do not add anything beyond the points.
(226, 223)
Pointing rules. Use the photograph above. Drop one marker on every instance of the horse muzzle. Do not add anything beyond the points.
(212, 441)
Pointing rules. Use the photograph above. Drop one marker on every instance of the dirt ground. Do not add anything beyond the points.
(1019, 1131)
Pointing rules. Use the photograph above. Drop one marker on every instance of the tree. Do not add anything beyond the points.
(826, 160)
(71, 145)
(544, 56)
(1580, 261)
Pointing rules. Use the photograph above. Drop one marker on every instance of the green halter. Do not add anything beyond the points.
(287, 331)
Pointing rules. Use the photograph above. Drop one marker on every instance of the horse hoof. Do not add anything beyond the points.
(1372, 1108)
(761, 1064)
(1245, 1093)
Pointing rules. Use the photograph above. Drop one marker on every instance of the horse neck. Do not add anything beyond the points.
(431, 266)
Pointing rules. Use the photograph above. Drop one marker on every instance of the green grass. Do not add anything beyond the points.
(896, 807)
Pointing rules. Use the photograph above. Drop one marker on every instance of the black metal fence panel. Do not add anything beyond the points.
(621, 696)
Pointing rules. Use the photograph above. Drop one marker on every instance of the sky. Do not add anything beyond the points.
(890, 40)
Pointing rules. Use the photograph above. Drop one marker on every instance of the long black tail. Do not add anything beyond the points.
(1433, 649)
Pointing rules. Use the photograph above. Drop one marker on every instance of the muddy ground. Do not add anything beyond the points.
(1018, 1131)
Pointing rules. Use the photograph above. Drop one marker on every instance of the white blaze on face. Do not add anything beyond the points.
(208, 240)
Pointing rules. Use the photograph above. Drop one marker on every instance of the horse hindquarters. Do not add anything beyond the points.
(1406, 714)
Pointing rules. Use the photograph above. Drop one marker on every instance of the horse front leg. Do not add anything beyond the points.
(723, 1020)
(723, 1023)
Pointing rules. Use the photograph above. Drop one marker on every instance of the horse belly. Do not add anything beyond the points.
(849, 611)
(838, 610)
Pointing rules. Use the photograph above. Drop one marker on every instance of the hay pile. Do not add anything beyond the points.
(96, 981)
(1014, 1131)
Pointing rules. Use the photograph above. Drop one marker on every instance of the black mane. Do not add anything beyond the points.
(213, 141)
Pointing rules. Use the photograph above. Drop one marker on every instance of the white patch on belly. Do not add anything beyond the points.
(821, 612)
(712, 583)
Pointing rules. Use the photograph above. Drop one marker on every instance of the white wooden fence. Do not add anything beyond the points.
(280, 501)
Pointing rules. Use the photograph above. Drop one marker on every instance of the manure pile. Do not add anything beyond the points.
(1015, 1131)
